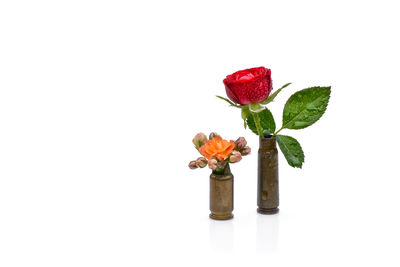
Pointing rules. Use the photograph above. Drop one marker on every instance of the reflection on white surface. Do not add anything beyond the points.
(221, 235)
(267, 232)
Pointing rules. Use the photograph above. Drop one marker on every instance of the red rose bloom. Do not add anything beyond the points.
(249, 86)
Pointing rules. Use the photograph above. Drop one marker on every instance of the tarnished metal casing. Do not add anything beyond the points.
(221, 195)
(268, 178)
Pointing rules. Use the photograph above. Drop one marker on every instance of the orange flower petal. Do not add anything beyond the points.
(217, 147)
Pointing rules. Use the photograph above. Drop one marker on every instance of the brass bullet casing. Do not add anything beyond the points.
(268, 179)
(221, 195)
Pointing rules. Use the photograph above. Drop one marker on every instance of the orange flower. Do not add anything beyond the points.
(217, 148)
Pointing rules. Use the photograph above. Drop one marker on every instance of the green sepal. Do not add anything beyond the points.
(256, 107)
(230, 102)
(267, 122)
(245, 114)
(273, 95)
(291, 149)
(305, 107)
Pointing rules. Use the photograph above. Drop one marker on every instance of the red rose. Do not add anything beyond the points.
(249, 86)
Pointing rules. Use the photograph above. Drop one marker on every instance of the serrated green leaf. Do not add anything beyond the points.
(267, 122)
(274, 94)
(291, 149)
(305, 107)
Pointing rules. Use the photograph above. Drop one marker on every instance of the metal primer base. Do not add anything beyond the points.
(221, 217)
(268, 211)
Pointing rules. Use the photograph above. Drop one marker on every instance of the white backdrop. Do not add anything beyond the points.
(99, 101)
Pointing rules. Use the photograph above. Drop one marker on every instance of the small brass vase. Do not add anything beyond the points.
(268, 179)
(221, 195)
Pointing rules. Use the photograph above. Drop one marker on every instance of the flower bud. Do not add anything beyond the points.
(201, 162)
(246, 150)
(240, 143)
(212, 135)
(212, 164)
(199, 140)
(235, 157)
(192, 165)
(222, 164)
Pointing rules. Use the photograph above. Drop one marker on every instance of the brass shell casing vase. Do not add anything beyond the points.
(268, 179)
(221, 195)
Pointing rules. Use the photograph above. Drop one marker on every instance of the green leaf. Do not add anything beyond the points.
(267, 122)
(227, 100)
(273, 95)
(245, 114)
(291, 149)
(305, 107)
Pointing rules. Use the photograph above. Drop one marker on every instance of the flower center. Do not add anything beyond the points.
(246, 77)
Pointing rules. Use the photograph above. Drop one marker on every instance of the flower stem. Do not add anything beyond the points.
(220, 170)
(277, 132)
(258, 124)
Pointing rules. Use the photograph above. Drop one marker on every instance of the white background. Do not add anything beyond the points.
(99, 101)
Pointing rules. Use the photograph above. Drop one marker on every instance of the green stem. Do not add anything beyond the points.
(219, 170)
(277, 132)
(258, 124)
